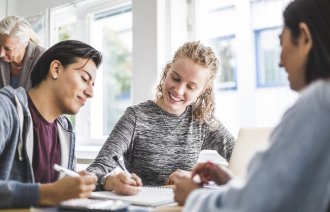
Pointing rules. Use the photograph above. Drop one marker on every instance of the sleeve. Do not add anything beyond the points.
(219, 139)
(16, 194)
(204, 199)
(4, 125)
(13, 194)
(291, 175)
(117, 144)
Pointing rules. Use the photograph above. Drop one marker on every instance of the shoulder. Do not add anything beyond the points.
(146, 107)
(311, 106)
(34, 50)
(316, 94)
(7, 95)
(321, 86)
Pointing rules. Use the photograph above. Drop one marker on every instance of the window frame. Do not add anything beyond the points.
(217, 81)
(257, 34)
(84, 14)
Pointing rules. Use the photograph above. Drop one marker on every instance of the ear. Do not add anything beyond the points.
(305, 38)
(55, 69)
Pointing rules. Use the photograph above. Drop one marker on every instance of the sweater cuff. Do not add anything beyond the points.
(26, 195)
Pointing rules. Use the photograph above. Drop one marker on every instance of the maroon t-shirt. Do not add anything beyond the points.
(46, 148)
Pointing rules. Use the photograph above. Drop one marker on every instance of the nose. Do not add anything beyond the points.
(89, 91)
(180, 89)
(280, 64)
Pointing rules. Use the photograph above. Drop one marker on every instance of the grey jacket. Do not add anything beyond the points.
(292, 175)
(32, 54)
(17, 186)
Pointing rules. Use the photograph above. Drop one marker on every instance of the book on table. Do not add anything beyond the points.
(148, 196)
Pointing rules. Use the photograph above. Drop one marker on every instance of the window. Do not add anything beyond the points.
(225, 48)
(267, 58)
(38, 24)
(220, 35)
(112, 34)
(107, 26)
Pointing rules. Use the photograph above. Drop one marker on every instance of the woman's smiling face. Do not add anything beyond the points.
(184, 83)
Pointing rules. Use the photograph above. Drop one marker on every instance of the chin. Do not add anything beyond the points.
(72, 111)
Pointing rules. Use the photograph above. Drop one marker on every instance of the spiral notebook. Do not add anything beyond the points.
(148, 196)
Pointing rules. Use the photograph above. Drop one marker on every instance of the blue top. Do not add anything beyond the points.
(293, 174)
(17, 183)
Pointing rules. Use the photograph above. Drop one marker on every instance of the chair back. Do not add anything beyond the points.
(248, 143)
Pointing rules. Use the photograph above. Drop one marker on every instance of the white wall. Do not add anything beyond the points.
(145, 48)
(3, 8)
(7, 8)
(29, 8)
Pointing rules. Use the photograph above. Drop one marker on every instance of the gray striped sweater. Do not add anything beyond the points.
(155, 143)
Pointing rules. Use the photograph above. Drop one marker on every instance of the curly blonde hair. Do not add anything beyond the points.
(204, 106)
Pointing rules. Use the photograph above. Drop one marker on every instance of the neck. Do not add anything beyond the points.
(161, 104)
(45, 105)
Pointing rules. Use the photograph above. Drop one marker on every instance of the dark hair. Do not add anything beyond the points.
(316, 15)
(67, 52)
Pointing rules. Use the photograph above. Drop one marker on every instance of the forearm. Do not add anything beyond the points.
(220, 140)
(203, 200)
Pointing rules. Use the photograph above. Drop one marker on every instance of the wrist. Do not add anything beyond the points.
(107, 182)
(47, 195)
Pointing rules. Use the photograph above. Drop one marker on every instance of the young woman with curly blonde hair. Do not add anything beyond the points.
(161, 139)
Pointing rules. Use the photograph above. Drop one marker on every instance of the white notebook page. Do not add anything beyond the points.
(148, 196)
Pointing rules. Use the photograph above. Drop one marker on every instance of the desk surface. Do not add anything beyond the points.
(132, 208)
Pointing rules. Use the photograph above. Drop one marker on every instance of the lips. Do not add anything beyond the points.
(174, 98)
(82, 100)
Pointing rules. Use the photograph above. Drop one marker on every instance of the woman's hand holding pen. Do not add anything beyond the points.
(123, 183)
(66, 188)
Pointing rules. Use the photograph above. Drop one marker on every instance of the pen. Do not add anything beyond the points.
(115, 158)
(65, 171)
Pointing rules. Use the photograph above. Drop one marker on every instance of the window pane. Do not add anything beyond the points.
(225, 49)
(268, 50)
(113, 30)
(38, 24)
(220, 36)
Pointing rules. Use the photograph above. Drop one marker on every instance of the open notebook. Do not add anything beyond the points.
(148, 196)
